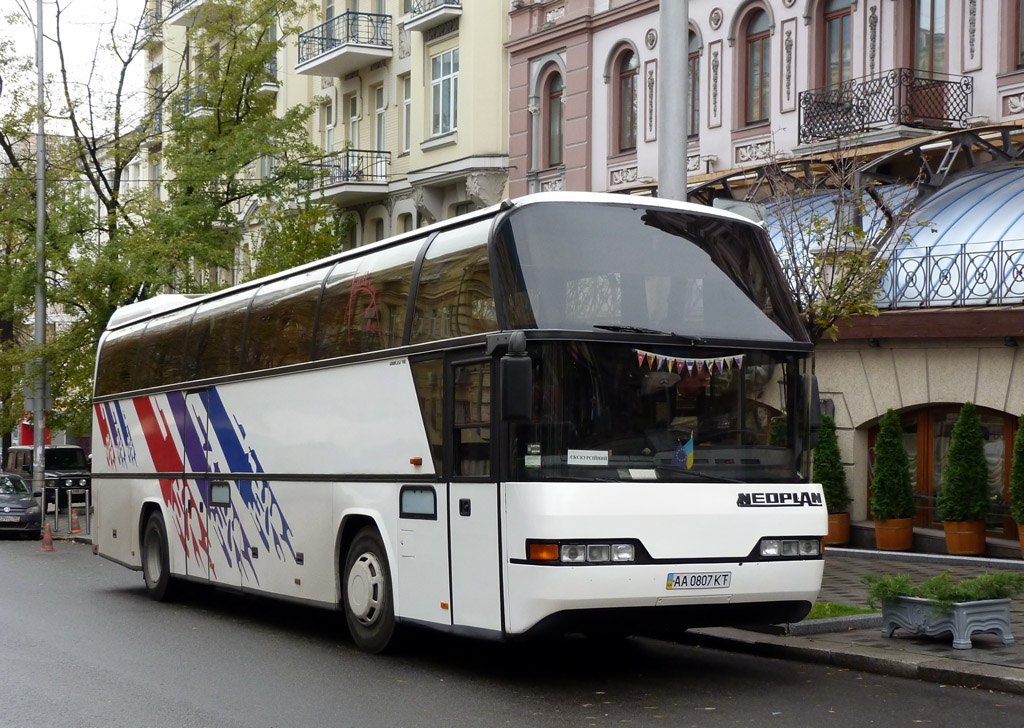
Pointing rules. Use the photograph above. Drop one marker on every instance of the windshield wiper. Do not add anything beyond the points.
(697, 474)
(633, 329)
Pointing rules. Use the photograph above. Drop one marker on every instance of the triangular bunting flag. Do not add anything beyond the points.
(640, 356)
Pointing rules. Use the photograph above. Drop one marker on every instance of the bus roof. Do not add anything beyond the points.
(165, 303)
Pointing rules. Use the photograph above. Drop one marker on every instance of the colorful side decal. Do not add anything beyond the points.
(209, 440)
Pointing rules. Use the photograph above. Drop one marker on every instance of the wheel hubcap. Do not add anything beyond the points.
(365, 589)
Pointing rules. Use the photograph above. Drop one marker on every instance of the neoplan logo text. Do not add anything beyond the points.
(778, 500)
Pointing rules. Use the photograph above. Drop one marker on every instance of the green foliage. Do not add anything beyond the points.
(942, 589)
(964, 495)
(892, 488)
(828, 467)
(778, 432)
(830, 610)
(291, 236)
(1017, 475)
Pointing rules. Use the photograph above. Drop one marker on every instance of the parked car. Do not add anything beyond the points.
(67, 467)
(19, 512)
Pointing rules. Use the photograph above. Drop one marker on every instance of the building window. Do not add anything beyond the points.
(838, 46)
(628, 70)
(758, 81)
(378, 229)
(930, 36)
(555, 123)
(379, 119)
(353, 121)
(444, 92)
(405, 222)
(406, 114)
(693, 89)
(327, 127)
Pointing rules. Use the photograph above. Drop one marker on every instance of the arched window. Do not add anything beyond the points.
(930, 36)
(693, 122)
(758, 64)
(628, 69)
(838, 45)
(555, 120)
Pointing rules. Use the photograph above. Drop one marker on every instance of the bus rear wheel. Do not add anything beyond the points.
(367, 593)
(156, 570)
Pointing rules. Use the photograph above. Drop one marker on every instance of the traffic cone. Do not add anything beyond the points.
(48, 539)
(75, 528)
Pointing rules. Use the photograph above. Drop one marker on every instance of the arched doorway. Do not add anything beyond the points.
(926, 435)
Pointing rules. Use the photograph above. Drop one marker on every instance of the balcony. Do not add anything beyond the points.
(153, 129)
(901, 97)
(344, 43)
(193, 101)
(183, 12)
(151, 30)
(427, 14)
(270, 82)
(349, 177)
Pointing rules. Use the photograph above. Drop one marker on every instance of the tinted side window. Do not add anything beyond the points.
(214, 346)
(163, 347)
(455, 295)
(363, 307)
(280, 328)
(118, 356)
(428, 376)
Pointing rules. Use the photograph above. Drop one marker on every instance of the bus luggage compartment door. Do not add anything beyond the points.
(476, 583)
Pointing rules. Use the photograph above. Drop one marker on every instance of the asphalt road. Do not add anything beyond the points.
(83, 646)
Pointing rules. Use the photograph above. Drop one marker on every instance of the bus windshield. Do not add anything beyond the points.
(642, 268)
(608, 411)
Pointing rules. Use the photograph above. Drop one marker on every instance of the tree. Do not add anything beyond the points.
(225, 160)
(892, 490)
(964, 495)
(1017, 475)
(828, 467)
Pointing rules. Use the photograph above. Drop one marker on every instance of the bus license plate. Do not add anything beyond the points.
(10, 519)
(715, 580)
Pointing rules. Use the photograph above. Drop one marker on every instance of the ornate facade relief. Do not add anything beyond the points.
(486, 188)
(429, 203)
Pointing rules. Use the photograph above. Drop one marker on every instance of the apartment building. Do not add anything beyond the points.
(411, 97)
(926, 93)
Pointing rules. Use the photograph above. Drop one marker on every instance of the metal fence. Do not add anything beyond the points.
(419, 7)
(370, 29)
(954, 275)
(904, 96)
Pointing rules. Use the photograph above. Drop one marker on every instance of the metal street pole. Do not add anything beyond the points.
(674, 96)
(39, 396)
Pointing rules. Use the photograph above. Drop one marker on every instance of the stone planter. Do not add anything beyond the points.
(963, 619)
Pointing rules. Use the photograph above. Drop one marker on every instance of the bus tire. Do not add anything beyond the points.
(156, 564)
(367, 594)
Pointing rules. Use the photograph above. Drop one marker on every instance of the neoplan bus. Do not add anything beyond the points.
(566, 412)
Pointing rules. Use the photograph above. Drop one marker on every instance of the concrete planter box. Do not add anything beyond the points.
(963, 619)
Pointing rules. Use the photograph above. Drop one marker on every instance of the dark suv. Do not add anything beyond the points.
(67, 467)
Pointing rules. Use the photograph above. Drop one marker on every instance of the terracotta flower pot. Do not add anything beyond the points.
(894, 534)
(1020, 535)
(838, 529)
(965, 538)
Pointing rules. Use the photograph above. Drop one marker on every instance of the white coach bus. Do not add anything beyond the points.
(569, 411)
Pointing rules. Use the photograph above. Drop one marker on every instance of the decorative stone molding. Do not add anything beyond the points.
(972, 24)
(756, 152)
(326, 82)
(446, 28)
(693, 163)
(554, 14)
(428, 203)
(556, 184)
(788, 3)
(971, 48)
(651, 39)
(714, 84)
(1015, 104)
(624, 176)
(789, 62)
(872, 37)
(715, 19)
(486, 188)
(651, 91)
(404, 48)
(533, 108)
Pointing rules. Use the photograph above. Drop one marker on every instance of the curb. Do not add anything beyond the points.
(929, 668)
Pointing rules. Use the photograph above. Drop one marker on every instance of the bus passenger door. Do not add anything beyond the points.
(195, 491)
(472, 497)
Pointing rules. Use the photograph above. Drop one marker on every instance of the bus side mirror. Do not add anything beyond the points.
(815, 413)
(516, 373)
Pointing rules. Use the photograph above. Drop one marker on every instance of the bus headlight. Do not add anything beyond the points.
(622, 552)
(774, 548)
(573, 553)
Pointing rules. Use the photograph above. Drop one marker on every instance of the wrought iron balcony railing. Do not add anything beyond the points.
(368, 166)
(419, 7)
(350, 27)
(193, 99)
(954, 275)
(901, 96)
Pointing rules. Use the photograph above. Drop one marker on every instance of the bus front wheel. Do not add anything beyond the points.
(156, 569)
(367, 597)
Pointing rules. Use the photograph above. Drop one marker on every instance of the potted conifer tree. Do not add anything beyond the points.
(893, 494)
(1017, 482)
(963, 501)
(829, 471)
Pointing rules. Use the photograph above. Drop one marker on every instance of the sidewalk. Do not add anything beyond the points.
(858, 644)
